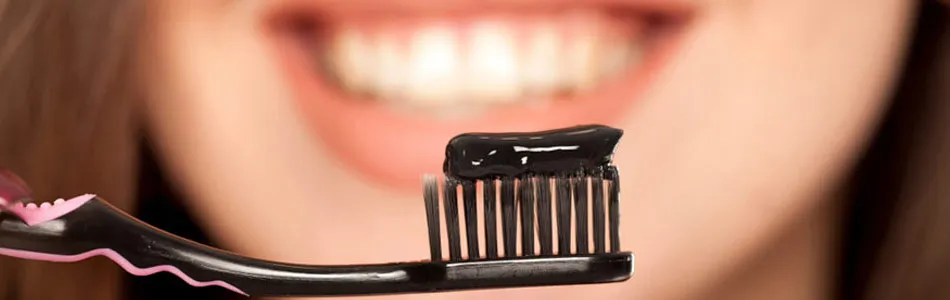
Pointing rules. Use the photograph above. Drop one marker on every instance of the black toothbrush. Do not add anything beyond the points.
(85, 226)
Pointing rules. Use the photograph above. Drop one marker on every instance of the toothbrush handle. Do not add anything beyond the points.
(99, 229)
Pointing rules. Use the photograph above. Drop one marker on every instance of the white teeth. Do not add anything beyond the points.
(492, 63)
(390, 69)
(541, 53)
(581, 59)
(351, 50)
(486, 62)
(432, 70)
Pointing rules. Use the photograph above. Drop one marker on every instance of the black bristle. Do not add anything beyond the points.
(470, 201)
(526, 196)
(581, 203)
(508, 217)
(613, 198)
(431, 195)
(450, 196)
(597, 187)
(544, 216)
(580, 213)
(491, 229)
(563, 200)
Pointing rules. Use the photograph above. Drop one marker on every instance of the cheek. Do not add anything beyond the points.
(761, 114)
(224, 121)
(764, 93)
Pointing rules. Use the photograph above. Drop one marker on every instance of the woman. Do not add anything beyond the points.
(763, 158)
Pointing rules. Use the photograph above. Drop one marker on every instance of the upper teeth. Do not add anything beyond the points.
(491, 61)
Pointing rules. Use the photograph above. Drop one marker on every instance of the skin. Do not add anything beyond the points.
(730, 160)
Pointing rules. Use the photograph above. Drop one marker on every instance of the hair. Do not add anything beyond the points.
(70, 88)
(895, 246)
(67, 123)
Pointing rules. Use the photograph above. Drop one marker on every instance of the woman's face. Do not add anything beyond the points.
(300, 128)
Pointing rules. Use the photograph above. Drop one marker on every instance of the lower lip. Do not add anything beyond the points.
(395, 149)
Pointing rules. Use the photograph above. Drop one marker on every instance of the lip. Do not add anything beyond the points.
(396, 149)
(281, 8)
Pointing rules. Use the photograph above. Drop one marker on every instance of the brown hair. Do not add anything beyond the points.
(66, 125)
(896, 242)
(68, 92)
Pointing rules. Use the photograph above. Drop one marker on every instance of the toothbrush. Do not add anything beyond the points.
(511, 170)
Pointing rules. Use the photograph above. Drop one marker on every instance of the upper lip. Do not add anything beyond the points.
(329, 8)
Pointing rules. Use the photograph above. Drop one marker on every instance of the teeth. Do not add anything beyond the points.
(486, 62)
(581, 58)
(350, 53)
(541, 53)
(492, 73)
(390, 69)
(432, 70)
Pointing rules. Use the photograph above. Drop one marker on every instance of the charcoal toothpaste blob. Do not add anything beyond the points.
(551, 175)
(587, 148)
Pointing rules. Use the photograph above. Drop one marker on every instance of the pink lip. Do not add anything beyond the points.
(395, 149)
(404, 7)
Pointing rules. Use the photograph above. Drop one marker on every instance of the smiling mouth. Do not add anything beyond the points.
(447, 67)
(385, 87)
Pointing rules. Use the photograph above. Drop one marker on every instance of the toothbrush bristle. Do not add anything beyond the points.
(563, 212)
(470, 201)
(581, 209)
(544, 216)
(489, 188)
(450, 197)
(597, 193)
(579, 186)
(527, 207)
(431, 196)
(614, 200)
(509, 230)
